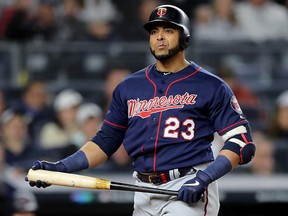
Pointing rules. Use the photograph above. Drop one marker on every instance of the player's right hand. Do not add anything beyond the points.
(45, 165)
(52, 166)
(193, 190)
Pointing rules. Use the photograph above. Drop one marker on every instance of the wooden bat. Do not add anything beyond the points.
(81, 181)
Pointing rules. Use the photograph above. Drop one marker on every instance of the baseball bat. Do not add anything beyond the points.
(81, 181)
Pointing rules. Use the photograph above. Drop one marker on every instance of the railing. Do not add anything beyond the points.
(258, 65)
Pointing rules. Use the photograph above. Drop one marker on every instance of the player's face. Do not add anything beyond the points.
(164, 42)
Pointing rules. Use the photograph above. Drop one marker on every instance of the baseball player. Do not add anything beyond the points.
(166, 115)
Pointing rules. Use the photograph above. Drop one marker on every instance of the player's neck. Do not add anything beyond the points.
(172, 65)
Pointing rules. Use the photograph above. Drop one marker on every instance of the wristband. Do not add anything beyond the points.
(76, 162)
(218, 168)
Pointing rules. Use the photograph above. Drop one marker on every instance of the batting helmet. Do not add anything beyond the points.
(173, 15)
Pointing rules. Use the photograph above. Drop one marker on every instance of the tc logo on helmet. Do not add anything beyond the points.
(161, 12)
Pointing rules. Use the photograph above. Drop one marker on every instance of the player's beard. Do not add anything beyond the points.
(171, 52)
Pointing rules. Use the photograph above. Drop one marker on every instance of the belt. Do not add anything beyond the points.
(164, 177)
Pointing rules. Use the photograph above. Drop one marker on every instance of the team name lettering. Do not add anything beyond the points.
(144, 108)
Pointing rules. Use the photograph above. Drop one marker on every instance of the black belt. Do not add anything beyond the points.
(164, 177)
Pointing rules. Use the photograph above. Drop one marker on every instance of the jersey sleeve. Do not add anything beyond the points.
(225, 111)
(116, 115)
(111, 135)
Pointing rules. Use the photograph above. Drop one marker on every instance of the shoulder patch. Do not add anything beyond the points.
(235, 105)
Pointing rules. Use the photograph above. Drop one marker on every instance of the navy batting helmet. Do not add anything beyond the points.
(173, 15)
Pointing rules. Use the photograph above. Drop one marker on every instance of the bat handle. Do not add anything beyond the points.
(135, 188)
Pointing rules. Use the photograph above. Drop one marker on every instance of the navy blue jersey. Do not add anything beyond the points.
(170, 119)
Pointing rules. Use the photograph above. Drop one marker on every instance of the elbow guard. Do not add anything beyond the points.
(247, 153)
(240, 142)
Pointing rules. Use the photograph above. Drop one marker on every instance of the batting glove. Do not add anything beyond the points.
(46, 165)
(192, 190)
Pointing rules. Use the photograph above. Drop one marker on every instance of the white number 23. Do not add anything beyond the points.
(172, 128)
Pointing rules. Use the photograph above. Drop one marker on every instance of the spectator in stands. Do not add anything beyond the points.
(134, 15)
(3, 185)
(100, 9)
(89, 117)
(264, 159)
(3, 104)
(264, 162)
(100, 17)
(44, 24)
(244, 95)
(278, 130)
(202, 17)
(24, 203)
(100, 31)
(70, 21)
(10, 178)
(35, 104)
(279, 119)
(113, 77)
(2, 161)
(19, 150)
(14, 19)
(249, 101)
(216, 21)
(262, 20)
(188, 6)
(28, 20)
(59, 132)
(15, 200)
(5, 3)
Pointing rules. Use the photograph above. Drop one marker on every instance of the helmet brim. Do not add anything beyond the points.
(150, 25)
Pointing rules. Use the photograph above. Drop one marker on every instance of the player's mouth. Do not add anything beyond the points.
(160, 46)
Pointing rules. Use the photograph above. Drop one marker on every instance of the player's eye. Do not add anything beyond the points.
(169, 30)
(153, 32)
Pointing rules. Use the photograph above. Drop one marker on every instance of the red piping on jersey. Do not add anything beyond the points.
(154, 85)
(206, 202)
(160, 118)
(232, 126)
(178, 80)
(116, 125)
(157, 135)
(163, 177)
(156, 142)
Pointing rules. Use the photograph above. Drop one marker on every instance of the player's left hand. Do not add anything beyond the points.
(192, 190)
(45, 165)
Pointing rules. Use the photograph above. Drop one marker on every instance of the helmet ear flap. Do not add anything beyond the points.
(184, 41)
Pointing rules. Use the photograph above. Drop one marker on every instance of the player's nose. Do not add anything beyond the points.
(160, 35)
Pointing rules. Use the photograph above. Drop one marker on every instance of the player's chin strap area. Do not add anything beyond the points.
(239, 140)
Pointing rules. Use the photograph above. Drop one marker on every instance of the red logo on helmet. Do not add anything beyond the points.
(161, 12)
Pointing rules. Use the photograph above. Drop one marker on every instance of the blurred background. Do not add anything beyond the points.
(61, 60)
